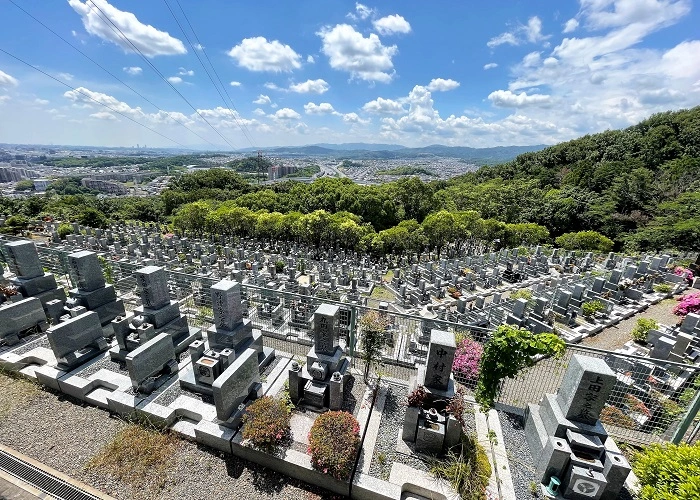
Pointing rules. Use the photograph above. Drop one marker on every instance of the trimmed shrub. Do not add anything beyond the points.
(639, 333)
(334, 440)
(668, 471)
(663, 288)
(523, 293)
(266, 423)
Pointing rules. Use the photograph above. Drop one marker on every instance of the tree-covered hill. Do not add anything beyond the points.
(639, 187)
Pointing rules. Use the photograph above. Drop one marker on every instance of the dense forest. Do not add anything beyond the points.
(637, 189)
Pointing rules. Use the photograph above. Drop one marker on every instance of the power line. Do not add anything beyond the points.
(110, 73)
(92, 98)
(241, 125)
(105, 18)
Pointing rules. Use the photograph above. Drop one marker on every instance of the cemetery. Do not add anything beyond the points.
(200, 336)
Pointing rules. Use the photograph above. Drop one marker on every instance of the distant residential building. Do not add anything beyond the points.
(279, 171)
(14, 174)
(107, 187)
(41, 184)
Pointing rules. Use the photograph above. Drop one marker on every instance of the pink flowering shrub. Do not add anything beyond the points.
(689, 303)
(266, 423)
(334, 440)
(686, 273)
(467, 357)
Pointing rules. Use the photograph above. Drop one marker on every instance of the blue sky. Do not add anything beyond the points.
(414, 73)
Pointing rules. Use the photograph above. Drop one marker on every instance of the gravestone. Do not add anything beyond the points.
(441, 354)
(76, 340)
(151, 363)
(92, 292)
(19, 318)
(321, 380)
(230, 335)
(566, 437)
(32, 281)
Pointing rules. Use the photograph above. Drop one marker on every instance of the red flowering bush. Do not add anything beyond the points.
(636, 405)
(333, 443)
(689, 303)
(266, 423)
(467, 356)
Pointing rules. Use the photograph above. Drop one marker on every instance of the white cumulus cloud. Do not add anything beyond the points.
(41, 102)
(149, 40)
(310, 87)
(286, 114)
(7, 80)
(257, 54)
(490, 65)
(310, 59)
(174, 79)
(570, 26)
(364, 58)
(354, 118)
(361, 12)
(507, 99)
(185, 72)
(383, 106)
(442, 85)
(262, 99)
(235, 84)
(392, 24)
(324, 108)
(133, 70)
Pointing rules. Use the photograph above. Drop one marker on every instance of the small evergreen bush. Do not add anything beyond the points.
(590, 308)
(334, 440)
(266, 423)
(639, 333)
(668, 472)
(663, 288)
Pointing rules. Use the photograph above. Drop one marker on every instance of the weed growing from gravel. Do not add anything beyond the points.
(137, 456)
(15, 392)
(467, 469)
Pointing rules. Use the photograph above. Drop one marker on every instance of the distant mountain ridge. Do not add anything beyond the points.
(364, 151)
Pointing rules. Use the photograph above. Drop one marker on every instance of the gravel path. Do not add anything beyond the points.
(617, 335)
(65, 434)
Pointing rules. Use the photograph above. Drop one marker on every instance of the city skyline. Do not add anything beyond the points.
(326, 72)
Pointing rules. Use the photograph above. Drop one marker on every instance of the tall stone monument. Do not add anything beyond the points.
(567, 439)
(228, 338)
(32, 281)
(320, 382)
(92, 292)
(157, 315)
(431, 430)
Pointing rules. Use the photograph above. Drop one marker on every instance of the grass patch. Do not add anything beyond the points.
(137, 456)
(15, 392)
(382, 293)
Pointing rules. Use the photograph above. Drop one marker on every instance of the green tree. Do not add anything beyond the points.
(585, 240)
(373, 326)
(24, 185)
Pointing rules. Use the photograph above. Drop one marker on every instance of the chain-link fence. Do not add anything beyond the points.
(650, 398)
